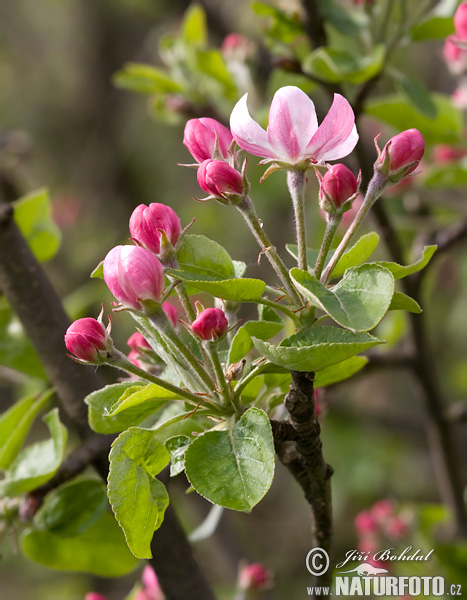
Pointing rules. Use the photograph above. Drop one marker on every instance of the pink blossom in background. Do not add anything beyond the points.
(95, 596)
(85, 338)
(171, 311)
(293, 135)
(365, 523)
(200, 138)
(443, 153)
(459, 96)
(137, 341)
(254, 577)
(396, 528)
(455, 57)
(133, 274)
(383, 509)
(147, 222)
(151, 588)
(218, 178)
(460, 21)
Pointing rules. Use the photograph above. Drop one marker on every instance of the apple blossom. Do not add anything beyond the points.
(133, 274)
(171, 312)
(217, 178)
(293, 137)
(210, 324)
(254, 577)
(402, 154)
(338, 185)
(86, 338)
(147, 222)
(200, 138)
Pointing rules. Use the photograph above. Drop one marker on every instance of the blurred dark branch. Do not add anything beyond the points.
(41, 313)
(447, 238)
(313, 22)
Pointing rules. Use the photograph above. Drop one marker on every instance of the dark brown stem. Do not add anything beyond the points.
(304, 459)
(41, 313)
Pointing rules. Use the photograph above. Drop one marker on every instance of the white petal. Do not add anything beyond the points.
(344, 149)
(247, 133)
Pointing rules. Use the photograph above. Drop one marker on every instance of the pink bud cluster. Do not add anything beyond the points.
(382, 522)
(254, 578)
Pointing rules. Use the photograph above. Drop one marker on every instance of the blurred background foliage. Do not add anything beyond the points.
(70, 123)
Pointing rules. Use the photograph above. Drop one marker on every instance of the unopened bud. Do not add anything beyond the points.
(86, 339)
(217, 178)
(147, 222)
(401, 155)
(338, 186)
(211, 324)
(200, 139)
(255, 577)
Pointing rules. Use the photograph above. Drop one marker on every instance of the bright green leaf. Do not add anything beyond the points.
(283, 28)
(100, 550)
(141, 401)
(199, 254)
(17, 352)
(233, 468)
(400, 271)
(145, 79)
(317, 348)
(242, 344)
(357, 254)
(418, 95)
(240, 290)
(72, 508)
(334, 65)
(138, 499)
(267, 313)
(37, 463)
(346, 22)
(194, 28)
(432, 28)
(445, 176)
(401, 301)
(212, 63)
(358, 302)
(340, 372)
(176, 447)
(398, 112)
(98, 272)
(102, 402)
(15, 424)
(32, 214)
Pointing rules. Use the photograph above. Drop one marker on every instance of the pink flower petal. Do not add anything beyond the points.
(331, 140)
(247, 133)
(292, 122)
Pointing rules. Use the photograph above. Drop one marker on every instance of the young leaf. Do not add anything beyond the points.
(357, 254)
(400, 271)
(72, 508)
(17, 352)
(145, 79)
(317, 348)
(358, 302)
(432, 28)
(446, 176)
(199, 254)
(194, 28)
(100, 550)
(233, 468)
(239, 290)
(211, 62)
(138, 499)
(15, 424)
(340, 372)
(401, 301)
(242, 344)
(418, 95)
(37, 463)
(102, 402)
(177, 446)
(140, 401)
(32, 214)
(98, 272)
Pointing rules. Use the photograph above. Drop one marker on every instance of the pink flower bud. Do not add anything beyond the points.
(85, 338)
(137, 341)
(211, 324)
(396, 528)
(338, 184)
(135, 357)
(200, 138)
(403, 150)
(254, 577)
(151, 588)
(443, 153)
(133, 274)
(147, 221)
(171, 312)
(460, 21)
(382, 510)
(217, 178)
(365, 523)
(95, 596)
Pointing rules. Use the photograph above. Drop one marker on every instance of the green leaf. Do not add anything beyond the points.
(357, 254)
(17, 352)
(418, 95)
(400, 271)
(37, 463)
(240, 268)
(176, 447)
(138, 499)
(141, 401)
(358, 302)
(98, 272)
(432, 28)
(402, 302)
(283, 27)
(32, 214)
(340, 372)
(194, 28)
(233, 468)
(350, 24)
(311, 254)
(199, 254)
(334, 65)
(72, 508)
(102, 402)
(239, 290)
(211, 62)
(398, 112)
(242, 344)
(317, 348)
(145, 79)
(100, 550)
(15, 424)
(445, 176)
(267, 313)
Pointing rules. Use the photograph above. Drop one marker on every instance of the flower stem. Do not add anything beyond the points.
(332, 223)
(296, 181)
(374, 191)
(211, 349)
(249, 214)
